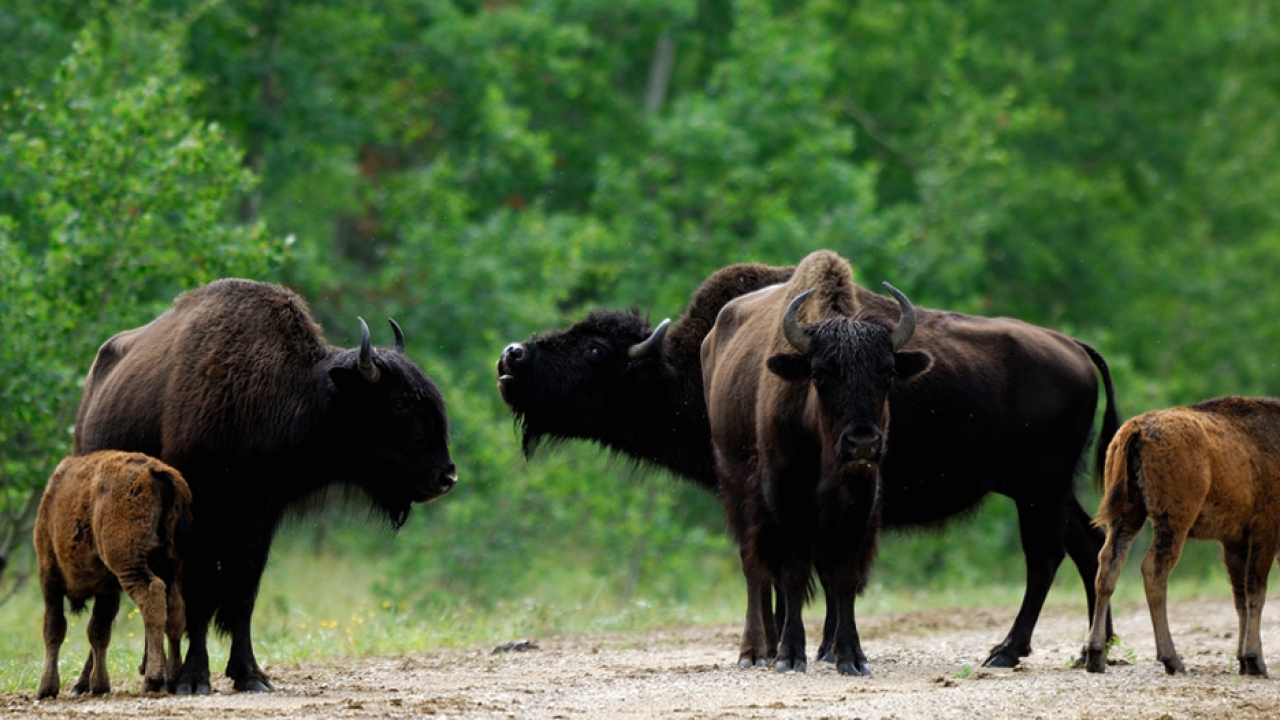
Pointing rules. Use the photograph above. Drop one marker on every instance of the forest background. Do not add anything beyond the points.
(482, 171)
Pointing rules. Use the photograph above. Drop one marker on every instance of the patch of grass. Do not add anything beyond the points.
(333, 604)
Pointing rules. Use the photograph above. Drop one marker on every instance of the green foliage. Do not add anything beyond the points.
(116, 200)
(485, 171)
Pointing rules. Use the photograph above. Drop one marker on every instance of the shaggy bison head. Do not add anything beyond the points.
(852, 364)
(588, 381)
(388, 427)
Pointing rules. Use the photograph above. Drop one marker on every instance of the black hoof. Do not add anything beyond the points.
(1000, 660)
(255, 685)
(193, 687)
(1252, 666)
(1095, 661)
(854, 668)
(785, 666)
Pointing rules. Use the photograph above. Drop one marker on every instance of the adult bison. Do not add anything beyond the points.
(799, 419)
(235, 387)
(1009, 411)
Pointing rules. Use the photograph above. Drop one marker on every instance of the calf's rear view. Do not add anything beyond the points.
(110, 521)
(1209, 471)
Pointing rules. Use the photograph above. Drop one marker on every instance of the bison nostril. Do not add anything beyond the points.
(450, 477)
(514, 353)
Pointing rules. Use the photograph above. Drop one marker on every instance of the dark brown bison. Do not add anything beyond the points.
(236, 388)
(110, 521)
(1008, 408)
(799, 420)
(1209, 471)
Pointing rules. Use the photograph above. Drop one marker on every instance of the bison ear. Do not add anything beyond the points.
(790, 366)
(907, 365)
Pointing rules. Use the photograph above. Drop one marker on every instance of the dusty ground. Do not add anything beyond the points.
(925, 665)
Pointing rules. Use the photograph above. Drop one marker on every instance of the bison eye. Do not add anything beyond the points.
(595, 352)
(400, 405)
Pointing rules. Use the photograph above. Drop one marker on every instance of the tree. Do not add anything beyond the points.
(117, 200)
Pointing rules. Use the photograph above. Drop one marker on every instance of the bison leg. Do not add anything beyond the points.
(94, 678)
(175, 625)
(1084, 543)
(242, 572)
(1039, 522)
(200, 593)
(791, 653)
(1111, 561)
(55, 632)
(1248, 564)
(1166, 548)
(149, 594)
(829, 624)
(756, 647)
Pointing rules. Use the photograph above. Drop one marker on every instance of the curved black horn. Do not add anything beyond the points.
(798, 338)
(651, 343)
(365, 361)
(907, 325)
(395, 328)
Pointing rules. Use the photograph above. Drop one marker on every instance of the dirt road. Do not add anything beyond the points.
(925, 665)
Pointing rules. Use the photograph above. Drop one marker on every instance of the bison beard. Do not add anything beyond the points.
(235, 387)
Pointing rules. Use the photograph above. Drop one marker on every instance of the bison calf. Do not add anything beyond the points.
(1209, 471)
(107, 521)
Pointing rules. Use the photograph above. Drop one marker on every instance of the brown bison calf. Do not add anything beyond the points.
(107, 521)
(1209, 471)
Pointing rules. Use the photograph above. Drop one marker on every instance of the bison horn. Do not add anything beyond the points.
(798, 338)
(651, 343)
(395, 328)
(907, 324)
(365, 362)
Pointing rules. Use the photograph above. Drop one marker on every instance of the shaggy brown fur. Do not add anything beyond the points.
(107, 521)
(1209, 471)
(798, 440)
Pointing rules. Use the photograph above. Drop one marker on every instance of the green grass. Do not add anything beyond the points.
(326, 605)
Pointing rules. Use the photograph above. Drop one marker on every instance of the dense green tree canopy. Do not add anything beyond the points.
(486, 170)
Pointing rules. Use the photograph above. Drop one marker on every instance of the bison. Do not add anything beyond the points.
(109, 521)
(799, 420)
(235, 387)
(1208, 471)
(1006, 407)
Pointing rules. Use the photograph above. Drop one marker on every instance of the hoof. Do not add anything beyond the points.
(153, 685)
(1095, 661)
(1001, 660)
(854, 668)
(193, 687)
(255, 685)
(785, 666)
(1252, 666)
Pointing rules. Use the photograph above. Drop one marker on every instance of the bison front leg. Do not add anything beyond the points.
(756, 648)
(242, 572)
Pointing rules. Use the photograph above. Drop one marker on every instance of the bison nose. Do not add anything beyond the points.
(448, 478)
(862, 444)
(513, 355)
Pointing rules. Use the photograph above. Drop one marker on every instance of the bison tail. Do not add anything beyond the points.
(1123, 478)
(1110, 417)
